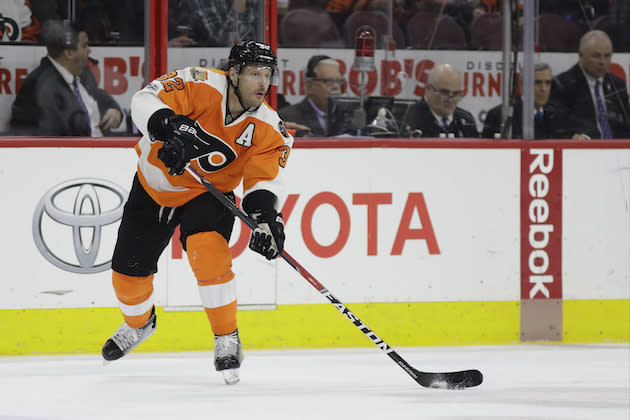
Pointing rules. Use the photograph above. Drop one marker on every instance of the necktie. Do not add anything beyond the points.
(539, 115)
(445, 123)
(601, 113)
(75, 84)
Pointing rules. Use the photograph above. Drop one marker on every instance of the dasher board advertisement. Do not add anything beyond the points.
(376, 224)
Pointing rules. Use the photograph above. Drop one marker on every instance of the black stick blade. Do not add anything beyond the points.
(449, 380)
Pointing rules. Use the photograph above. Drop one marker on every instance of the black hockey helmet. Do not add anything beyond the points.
(249, 52)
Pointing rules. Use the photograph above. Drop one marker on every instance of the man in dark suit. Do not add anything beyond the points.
(592, 102)
(60, 97)
(546, 124)
(437, 114)
(322, 79)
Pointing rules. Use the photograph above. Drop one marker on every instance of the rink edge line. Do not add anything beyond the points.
(83, 330)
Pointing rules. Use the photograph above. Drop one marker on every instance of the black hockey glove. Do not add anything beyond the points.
(179, 135)
(268, 237)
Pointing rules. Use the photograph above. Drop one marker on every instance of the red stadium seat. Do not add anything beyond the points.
(309, 28)
(434, 31)
(555, 33)
(486, 32)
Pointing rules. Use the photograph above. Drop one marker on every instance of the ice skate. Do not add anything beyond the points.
(127, 338)
(228, 355)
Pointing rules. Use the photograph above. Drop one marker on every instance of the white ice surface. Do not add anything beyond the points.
(520, 382)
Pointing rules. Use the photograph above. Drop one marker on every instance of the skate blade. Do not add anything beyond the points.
(231, 376)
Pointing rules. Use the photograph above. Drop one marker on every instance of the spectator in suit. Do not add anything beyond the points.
(546, 124)
(592, 101)
(60, 97)
(437, 114)
(322, 79)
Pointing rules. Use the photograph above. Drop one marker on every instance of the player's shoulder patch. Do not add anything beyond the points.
(198, 74)
(283, 129)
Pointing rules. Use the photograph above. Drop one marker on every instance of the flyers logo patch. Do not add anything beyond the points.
(199, 74)
(282, 160)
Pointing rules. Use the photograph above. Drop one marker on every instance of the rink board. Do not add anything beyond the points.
(423, 240)
(57, 331)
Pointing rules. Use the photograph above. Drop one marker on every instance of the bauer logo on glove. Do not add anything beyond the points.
(185, 128)
(181, 143)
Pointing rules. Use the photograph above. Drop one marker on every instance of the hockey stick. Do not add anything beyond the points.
(445, 380)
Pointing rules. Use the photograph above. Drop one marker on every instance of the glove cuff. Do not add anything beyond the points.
(158, 124)
(260, 201)
(266, 216)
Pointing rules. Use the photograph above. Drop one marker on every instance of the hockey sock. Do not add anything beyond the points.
(135, 298)
(223, 318)
(211, 261)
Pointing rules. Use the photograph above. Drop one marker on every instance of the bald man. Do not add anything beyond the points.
(437, 114)
(592, 102)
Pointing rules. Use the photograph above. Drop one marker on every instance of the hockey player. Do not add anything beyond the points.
(217, 122)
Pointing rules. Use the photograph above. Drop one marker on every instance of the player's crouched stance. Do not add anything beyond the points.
(234, 137)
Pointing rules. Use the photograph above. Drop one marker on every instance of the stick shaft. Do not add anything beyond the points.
(423, 378)
(234, 209)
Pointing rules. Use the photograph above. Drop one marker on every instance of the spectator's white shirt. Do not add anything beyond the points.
(591, 87)
(319, 113)
(449, 119)
(90, 102)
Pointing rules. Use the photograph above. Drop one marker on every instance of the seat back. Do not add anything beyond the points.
(555, 33)
(486, 32)
(378, 21)
(306, 27)
(428, 30)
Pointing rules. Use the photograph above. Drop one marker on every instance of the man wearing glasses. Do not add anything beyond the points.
(437, 114)
(322, 79)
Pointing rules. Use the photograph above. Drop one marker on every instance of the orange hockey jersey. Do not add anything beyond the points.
(253, 148)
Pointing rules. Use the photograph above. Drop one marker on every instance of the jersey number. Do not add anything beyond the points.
(282, 160)
(170, 82)
(176, 83)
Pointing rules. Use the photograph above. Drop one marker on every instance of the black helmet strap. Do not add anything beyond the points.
(228, 115)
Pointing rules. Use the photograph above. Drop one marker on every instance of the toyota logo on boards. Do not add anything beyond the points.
(73, 219)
